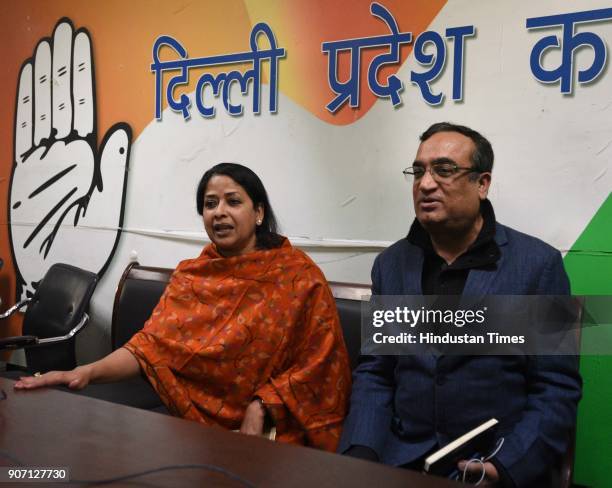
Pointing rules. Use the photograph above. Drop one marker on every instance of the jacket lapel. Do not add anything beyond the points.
(413, 271)
(480, 281)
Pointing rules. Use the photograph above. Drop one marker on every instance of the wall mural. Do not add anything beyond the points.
(350, 96)
(61, 178)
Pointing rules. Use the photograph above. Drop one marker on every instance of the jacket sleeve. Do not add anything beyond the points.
(553, 392)
(308, 399)
(371, 406)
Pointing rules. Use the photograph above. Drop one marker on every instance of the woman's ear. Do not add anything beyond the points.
(259, 214)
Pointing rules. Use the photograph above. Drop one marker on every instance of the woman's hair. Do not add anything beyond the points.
(265, 234)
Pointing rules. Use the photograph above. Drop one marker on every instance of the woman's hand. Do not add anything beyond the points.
(76, 379)
(253, 422)
(118, 365)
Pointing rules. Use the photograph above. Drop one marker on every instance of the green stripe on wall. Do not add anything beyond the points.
(589, 265)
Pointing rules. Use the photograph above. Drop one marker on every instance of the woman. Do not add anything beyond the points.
(248, 329)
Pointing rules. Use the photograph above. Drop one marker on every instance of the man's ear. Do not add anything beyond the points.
(484, 183)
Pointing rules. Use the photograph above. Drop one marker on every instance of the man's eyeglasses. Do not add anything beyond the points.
(437, 171)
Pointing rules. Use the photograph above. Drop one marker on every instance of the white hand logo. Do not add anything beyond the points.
(67, 195)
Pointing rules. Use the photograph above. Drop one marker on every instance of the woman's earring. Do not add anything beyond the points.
(258, 221)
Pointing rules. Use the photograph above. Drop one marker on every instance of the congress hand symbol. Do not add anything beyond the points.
(67, 194)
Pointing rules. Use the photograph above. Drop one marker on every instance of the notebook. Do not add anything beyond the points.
(475, 443)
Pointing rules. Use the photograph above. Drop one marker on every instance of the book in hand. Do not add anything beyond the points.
(476, 443)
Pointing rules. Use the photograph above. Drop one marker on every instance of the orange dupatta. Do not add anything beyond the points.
(263, 324)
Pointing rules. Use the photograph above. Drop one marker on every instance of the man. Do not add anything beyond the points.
(405, 407)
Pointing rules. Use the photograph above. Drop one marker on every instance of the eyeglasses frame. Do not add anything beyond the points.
(431, 170)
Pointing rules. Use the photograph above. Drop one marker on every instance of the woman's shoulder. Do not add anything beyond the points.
(288, 252)
(300, 256)
(191, 263)
(301, 261)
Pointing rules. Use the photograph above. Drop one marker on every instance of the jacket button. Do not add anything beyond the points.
(440, 380)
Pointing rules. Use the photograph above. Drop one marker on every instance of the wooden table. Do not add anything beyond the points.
(97, 440)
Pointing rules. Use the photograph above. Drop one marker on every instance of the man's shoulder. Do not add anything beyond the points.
(399, 247)
(522, 243)
(398, 251)
(530, 265)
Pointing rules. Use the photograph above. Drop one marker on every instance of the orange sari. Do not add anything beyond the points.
(264, 325)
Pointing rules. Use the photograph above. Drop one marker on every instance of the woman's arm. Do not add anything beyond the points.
(118, 365)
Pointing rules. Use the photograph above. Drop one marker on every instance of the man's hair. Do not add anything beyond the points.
(482, 157)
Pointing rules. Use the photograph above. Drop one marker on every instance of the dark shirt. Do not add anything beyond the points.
(439, 278)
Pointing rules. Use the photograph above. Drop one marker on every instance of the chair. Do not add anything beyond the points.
(567, 463)
(138, 291)
(348, 297)
(53, 317)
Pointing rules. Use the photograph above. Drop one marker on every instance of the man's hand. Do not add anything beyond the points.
(253, 422)
(77, 379)
(474, 472)
(61, 179)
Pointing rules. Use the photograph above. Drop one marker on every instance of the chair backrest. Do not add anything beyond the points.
(349, 297)
(139, 290)
(58, 305)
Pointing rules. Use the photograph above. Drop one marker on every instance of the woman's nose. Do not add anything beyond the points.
(220, 209)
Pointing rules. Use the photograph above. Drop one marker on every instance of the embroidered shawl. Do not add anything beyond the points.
(264, 325)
